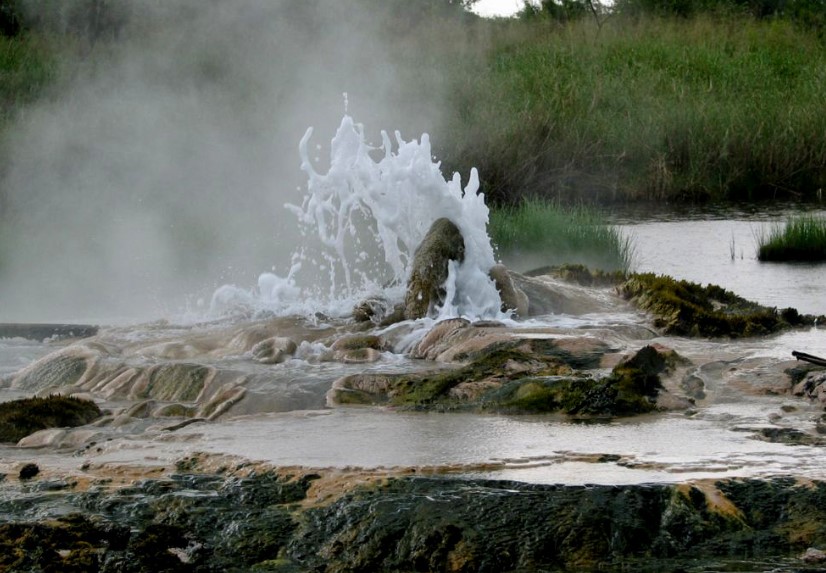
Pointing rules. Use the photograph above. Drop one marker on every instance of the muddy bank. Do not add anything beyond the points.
(222, 515)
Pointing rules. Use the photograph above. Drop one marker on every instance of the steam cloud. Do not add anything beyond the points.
(159, 170)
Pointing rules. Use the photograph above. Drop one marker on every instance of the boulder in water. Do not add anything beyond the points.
(425, 288)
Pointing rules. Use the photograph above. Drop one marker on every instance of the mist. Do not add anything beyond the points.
(159, 167)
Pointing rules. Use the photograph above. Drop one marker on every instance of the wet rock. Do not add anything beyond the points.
(274, 350)
(812, 386)
(64, 368)
(582, 275)
(429, 269)
(518, 377)
(433, 524)
(439, 338)
(513, 298)
(19, 418)
(379, 311)
(357, 349)
(28, 471)
(790, 436)
(205, 522)
(172, 382)
(688, 309)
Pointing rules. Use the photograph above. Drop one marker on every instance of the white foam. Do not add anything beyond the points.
(362, 221)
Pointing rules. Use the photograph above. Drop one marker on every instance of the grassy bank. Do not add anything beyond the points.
(801, 238)
(537, 233)
(698, 109)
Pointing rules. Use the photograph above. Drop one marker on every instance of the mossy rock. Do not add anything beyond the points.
(429, 268)
(630, 389)
(19, 418)
(508, 379)
(689, 309)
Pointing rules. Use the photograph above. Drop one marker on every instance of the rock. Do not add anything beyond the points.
(358, 341)
(28, 471)
(274, 350)
(337, 521)
(378, 310)
(513, 298)
(19, 418)
(425, 287)
(689, 309)
(357, 349)
(439, 338)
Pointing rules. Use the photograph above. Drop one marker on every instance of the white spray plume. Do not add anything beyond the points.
(369, 216)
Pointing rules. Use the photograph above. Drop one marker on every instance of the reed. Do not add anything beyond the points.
(800, 238)
(548, 233)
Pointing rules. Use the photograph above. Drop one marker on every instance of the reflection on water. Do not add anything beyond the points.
(661, 448)
(712, 248)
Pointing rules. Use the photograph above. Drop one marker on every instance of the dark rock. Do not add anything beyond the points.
(19, 418)
(208, 523)
(28, 471)
(443, 243)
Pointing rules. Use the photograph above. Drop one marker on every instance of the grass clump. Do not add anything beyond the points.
(801, 238)
(545, 232)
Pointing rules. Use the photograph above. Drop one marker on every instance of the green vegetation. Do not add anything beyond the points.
(27, 66)
(574, 102)
(802, 238)
(648, 108)
(551, 234)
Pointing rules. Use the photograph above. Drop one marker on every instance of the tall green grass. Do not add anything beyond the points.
(728, 107)
(27, 65)
(801, 238)
(537, 233)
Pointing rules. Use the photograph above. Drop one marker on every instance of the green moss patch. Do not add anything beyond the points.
(689, 309)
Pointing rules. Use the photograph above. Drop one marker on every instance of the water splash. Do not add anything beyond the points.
(361, 222)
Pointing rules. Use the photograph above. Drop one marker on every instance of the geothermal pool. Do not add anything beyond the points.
(361, 222)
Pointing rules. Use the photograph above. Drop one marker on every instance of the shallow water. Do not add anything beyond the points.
(722, 249)
(660, 448)
(708, 442)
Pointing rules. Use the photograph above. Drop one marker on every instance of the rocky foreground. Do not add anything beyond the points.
(218, 515)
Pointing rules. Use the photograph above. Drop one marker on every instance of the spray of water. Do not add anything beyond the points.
(362, 221)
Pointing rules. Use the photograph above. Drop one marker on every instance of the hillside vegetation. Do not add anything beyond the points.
(660, 100)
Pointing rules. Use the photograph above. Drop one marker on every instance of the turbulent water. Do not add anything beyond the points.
(362, 221)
